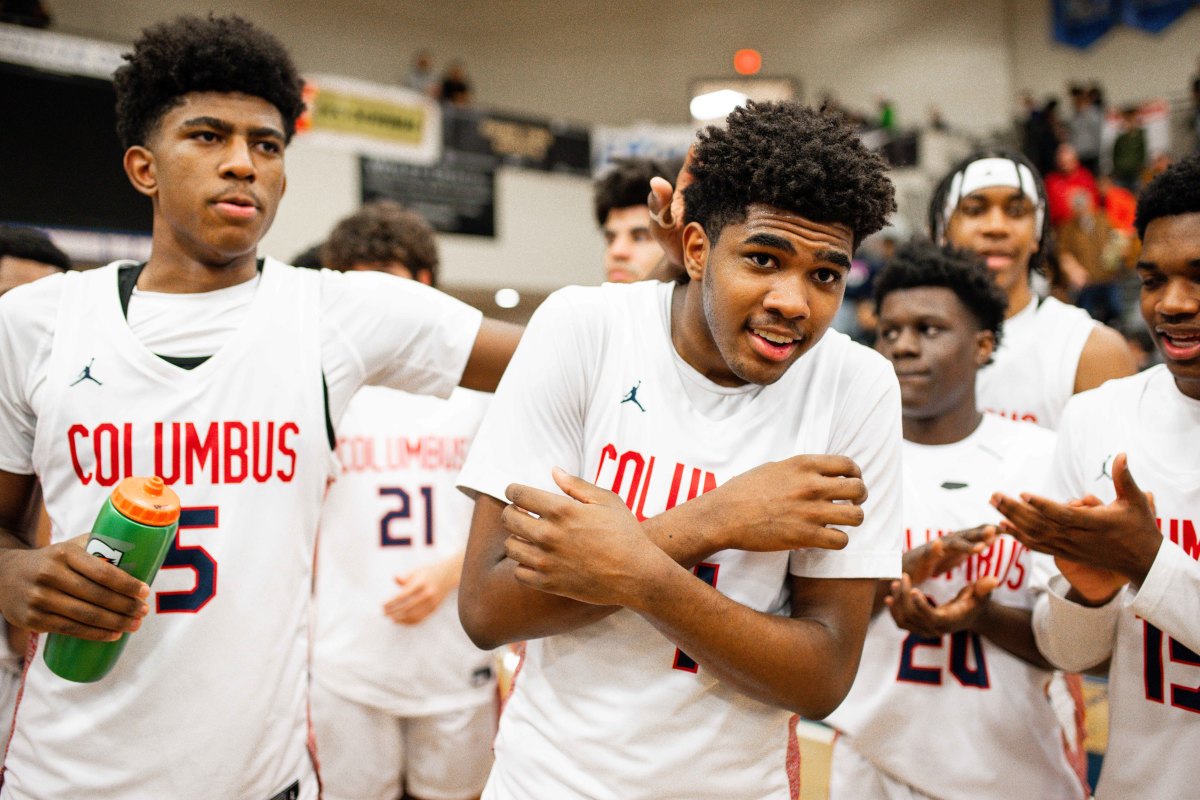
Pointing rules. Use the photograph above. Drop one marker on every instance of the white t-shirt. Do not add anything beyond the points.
(209, 698)
(393, 509)
(939, 714)
(1032, 374)
(614, 710)
(1153, 632)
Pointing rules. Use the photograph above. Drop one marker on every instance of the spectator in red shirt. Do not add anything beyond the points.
(1062, 184)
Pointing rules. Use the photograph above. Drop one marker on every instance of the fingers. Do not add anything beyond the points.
(539, 501)
(825, 538)
(519, 522)
(1057, 513)
(659, 201)
(578, 489)
(1126, 486)
(982, 534)
(831, 466)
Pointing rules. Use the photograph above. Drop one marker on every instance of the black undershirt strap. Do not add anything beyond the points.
(127, 278)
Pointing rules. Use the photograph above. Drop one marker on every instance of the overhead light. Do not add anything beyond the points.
(508, 298)
(716, 105)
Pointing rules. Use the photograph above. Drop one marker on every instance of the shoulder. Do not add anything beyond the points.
(1053, 310)
(589, 305)
(28, 312)
(1113, 397)
(856, 367)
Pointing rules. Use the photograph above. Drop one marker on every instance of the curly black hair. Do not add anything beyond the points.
(923, 263)
(379, 232)
(791, 157)
(190, 54)
(627, 184)
(1175, 191)
(937, 206)
(33, 245)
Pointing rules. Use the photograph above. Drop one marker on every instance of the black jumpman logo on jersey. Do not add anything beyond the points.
(632, 397)
(86, 375)
(1104, 473)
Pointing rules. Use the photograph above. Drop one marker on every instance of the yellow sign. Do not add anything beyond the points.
(363, 116)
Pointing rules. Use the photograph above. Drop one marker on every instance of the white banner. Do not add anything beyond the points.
(371, 119)
(58, 52)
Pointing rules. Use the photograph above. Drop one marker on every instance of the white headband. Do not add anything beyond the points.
(988, 172)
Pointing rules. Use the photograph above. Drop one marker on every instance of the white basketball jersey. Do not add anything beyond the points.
(614, 709)
(940, 713)
(1032, 374)
(209, 698)
(395, 507)
(1154, 680)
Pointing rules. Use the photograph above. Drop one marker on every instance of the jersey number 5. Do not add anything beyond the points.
(195, 558)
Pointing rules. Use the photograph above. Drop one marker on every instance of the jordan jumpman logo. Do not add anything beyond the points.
(632, 397)
(86, 375)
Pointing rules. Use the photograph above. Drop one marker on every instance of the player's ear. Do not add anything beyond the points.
(424, 276)
(140, 169)
(985, 345)
(695, 250)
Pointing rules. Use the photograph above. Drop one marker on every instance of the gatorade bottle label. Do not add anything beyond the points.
(111, 550)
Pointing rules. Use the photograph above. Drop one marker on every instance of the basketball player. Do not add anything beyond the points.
(630, 252)
(666, 660)
(224, 374)
(951, 683)
(994, 203)
(26, 254)
(1130, 585)
(402, 702)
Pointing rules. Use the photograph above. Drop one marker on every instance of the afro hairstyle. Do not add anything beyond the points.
(380, 232)
(1175, 191)
(790, 157)
(33, 245)
(627, 183)
(922, 263)
(938, 221)
(190, 54)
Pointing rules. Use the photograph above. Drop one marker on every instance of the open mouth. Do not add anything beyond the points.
(774, 345)
(1180, 345)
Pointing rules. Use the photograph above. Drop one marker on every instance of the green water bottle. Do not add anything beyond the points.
(133, 531)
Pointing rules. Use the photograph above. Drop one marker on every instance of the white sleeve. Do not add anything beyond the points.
(535, 421)
(380, 330)
(1169, 598)
(27, 315)
(1073, 637)
(866, 429)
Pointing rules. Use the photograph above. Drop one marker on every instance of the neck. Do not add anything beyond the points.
(1018, 298)
(953, 426)
(691, 337)
(174, 269)
(1188, 387)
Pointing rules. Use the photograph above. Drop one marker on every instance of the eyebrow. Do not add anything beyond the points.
(771, 240)
(1151, 266)
(221, 125)
(833, 257)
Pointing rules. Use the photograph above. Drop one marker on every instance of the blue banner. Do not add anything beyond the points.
(1079, 23)
(1153, 16)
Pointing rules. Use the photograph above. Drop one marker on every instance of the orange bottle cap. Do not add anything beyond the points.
(146, 500)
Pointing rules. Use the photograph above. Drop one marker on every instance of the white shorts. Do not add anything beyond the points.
(368, 754)
(852, 777)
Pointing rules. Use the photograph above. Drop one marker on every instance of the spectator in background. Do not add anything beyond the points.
(27, 254)
(630, 252)
(1129, 150)
(1069, 178)
(420, 76)
(310, 258)
(456, 89)
(1089, 239)
(1087, 125)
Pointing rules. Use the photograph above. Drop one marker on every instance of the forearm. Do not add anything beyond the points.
(1011, 629)
(802, 664)
(499, 610)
